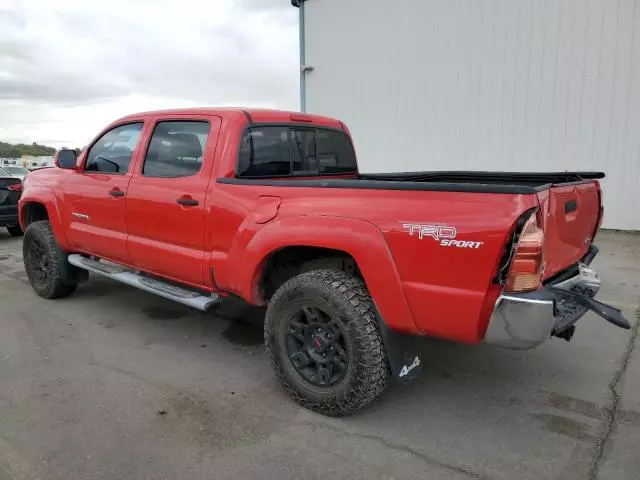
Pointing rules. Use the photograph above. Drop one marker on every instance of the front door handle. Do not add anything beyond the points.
(187, 201)
(116, 192)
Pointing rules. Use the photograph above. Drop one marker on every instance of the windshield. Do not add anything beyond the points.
(16, 170)
(4, 172)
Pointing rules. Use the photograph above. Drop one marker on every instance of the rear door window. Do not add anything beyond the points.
(176, 149)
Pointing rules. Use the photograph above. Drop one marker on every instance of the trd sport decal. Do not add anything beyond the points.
(445, 235)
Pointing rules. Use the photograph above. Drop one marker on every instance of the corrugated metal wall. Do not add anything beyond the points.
(544, 85)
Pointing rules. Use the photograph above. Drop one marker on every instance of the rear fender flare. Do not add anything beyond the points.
(360, 239)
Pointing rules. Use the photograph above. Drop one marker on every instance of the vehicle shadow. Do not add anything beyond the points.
(459, 384)
(445, 365)
(470, 378)
(474, 384)
(473, 401)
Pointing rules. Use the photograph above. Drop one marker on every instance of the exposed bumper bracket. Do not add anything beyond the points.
(609, 313)
(525, 320)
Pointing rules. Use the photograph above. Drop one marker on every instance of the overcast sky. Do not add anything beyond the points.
(69, 67)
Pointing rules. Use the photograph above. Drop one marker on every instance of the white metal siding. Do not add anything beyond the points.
(531, 85)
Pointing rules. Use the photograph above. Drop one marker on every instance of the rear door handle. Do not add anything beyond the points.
(116, 192)
(187, 201)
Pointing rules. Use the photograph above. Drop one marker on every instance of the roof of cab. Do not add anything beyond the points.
(255, 115)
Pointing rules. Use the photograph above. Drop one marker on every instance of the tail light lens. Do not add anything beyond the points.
(525, 273)
(15, 188)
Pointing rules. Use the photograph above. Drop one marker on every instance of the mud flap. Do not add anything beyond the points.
(403, 353)
(611, 314)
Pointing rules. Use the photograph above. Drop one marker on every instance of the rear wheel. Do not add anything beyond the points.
(322, 336)
(15, 230)
(44, 262)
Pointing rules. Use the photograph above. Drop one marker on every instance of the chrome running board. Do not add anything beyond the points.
(163, 289)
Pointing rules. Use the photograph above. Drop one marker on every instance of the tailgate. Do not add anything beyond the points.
(571, 216)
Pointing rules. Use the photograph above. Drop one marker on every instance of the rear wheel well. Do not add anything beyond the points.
(33, 212)
(291, 261)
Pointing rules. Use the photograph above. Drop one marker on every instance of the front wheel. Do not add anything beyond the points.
(322, 336)
(44, 262)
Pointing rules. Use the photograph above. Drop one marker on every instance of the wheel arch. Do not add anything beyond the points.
(43, 207)
(348, 239)
(33, 211)
(287, 262)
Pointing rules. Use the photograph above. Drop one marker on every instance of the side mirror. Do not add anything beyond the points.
(66, 159)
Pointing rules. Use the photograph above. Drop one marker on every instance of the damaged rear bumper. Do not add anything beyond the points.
(525, 320)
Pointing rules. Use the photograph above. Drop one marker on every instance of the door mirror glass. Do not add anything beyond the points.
(66, 159)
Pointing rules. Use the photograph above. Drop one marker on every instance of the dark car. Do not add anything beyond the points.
(10, 191)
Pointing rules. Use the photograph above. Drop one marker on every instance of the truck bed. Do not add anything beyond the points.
(476, 182)
(540, 180)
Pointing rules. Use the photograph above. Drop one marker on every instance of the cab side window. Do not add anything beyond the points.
(176, 149)
(113, 151)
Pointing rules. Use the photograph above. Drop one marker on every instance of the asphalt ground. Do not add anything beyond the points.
(115, 383)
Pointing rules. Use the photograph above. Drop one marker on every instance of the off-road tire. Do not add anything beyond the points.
(15, 231)
(347, 297)
(53, 286)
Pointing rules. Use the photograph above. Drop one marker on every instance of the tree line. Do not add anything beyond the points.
(8, 150)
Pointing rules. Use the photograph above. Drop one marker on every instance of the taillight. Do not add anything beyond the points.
(525, 273)
(15, 188)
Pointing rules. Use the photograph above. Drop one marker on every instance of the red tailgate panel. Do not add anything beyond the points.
(570, 220)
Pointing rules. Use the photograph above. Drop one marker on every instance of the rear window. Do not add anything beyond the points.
(264, 152)
(282, 151)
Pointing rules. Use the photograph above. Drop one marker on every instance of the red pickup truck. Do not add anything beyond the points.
(199, 205)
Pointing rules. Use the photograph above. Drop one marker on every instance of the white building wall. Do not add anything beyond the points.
(531, 85)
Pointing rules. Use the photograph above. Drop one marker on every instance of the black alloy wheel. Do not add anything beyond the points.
(316, 347)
